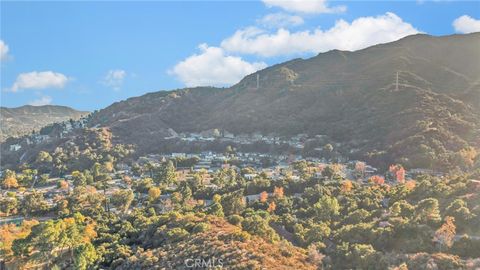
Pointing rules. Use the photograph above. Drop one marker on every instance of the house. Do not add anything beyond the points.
(250, 176)
(370, 170)
(179, 155)
(228, 135)
(15, 147)
(384, 224)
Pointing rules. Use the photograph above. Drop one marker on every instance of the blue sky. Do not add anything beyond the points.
(88, 55)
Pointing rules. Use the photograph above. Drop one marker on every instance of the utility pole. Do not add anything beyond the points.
(396, 84)
(258, 80)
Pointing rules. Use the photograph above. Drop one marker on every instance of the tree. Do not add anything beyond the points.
(216, 208)
(27, 177)
(44, 157)
(85, 255)
(127, 180)
(108, 166)
(402, 209)
(233, 203)
(79, 179)
(346, 186)
(327, 151)
(362, 256)
(328, 172)
(86, 200)
(33, 203)
(263, 196)
(377, 179)
(168, 173)
(144, 185)
(62, 208)
(398, 173)
(278, 192)
(357, 216)
(154, 193)
(446, 233)
(122, 199)
(427, 211)
(9, 180)
(317, 233)
(271, 207)
(326, 208)
(186, 192)
(258, 225)
(360, 168)
(8, 205)
(62, 184)
(53, 238)
(10, 232)
(458, 209)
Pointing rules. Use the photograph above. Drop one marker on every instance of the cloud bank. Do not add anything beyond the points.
(114, 78)
(276, 20)
(359, 34)
(45, 100)
(466, 24)
(3, 50)
(304, 6)
(39, 80)
(212, 67)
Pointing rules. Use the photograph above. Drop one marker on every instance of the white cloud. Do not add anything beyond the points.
(45, 100)
(304, 6)
(466, 24)
(359, 34)
(114, 78)
(276, 20)
(3, 50)
(39, 80)
(212, 67)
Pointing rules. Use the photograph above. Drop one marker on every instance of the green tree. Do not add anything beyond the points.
(122, 199)
(326, 208)
(233, 203)
(216, 208)
(168, 175)
(317, 233)
(28, 176)
(33, 203)
(258, 225)
(8, 205)
(427, 211)
(85, 256)
(79, 178)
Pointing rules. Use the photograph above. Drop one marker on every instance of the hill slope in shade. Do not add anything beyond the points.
(425, 118)
(16, 122)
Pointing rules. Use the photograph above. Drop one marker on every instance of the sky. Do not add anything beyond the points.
(90, 54)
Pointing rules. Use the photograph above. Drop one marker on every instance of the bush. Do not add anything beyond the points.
(201, 227)
(176, 234)
(241, 236)
(235, 220)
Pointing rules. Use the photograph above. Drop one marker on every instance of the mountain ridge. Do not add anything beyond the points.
(19, 121)
(342, 94)
(415, 101)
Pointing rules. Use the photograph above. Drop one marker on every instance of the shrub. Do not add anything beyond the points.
(201, 227)
(235, 220)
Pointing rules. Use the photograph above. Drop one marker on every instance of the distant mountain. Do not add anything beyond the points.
(23, 120)
(416, 100)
